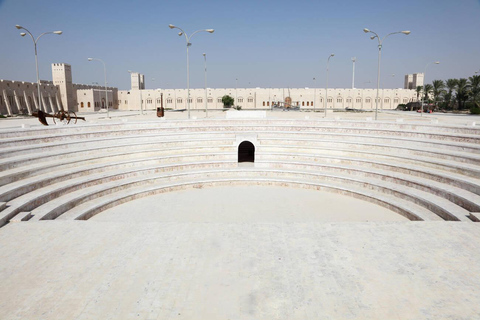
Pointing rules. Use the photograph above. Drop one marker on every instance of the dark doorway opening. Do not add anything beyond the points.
(246, 152)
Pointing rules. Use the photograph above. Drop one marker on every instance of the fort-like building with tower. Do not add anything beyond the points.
(19, 97)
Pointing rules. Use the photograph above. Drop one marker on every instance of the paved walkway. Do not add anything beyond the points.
(389, 116)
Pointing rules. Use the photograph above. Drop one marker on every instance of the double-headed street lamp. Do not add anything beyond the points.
(326, 87)
(380, 43)
(424, 82)
(105, 72)
(187, 38)
(36, 56)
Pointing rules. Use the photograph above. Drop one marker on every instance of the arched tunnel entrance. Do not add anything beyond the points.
(246, 152)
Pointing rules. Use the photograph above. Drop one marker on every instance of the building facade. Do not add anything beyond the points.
(264, 98)
(412, 81)
(18, 97)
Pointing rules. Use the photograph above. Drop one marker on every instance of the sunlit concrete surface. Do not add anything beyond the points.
(242, 253)
(248, 204)
(269, 270)
(117, 116)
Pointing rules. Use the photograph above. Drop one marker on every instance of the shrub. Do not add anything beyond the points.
(475, 110)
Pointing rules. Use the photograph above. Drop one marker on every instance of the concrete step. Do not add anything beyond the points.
(433, 203)
(88, 209)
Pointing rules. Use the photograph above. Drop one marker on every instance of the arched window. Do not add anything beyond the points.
(246, 152)
(81, 105)
(88, 104)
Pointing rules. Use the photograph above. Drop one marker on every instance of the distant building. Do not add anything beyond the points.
(61, 94)
(18, 97)
(264, 98)
(412, 81)
(137, 81)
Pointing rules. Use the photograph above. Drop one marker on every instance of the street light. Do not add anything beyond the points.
(23, 34)
(380, 42)
(187, 38)
(424, 82)
(105, 72)
(206, 110)
(354, 59)
(314, 93)
(326, 87)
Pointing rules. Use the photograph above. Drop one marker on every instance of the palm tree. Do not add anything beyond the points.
(427, 91)
(451, 84)
(462, 90)
(474, 83)
(419, 89)
(438, 89)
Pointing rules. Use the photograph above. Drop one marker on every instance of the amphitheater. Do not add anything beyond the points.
(287, 216)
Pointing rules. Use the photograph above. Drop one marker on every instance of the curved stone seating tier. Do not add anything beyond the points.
(422, 172)
(88, 209)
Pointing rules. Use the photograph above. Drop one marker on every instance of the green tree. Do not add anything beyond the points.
(427, 91)
(438, 90)
(474, 83)
(462, 88)
(227, 101)
(450, 84)
(419, 90)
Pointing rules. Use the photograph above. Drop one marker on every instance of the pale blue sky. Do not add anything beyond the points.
(262, 43)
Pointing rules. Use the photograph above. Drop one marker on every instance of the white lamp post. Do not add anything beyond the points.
(36, 56)
(314, 93)
(187, 38)
(326, 87)
(354, 59)
(380, 43)
(206, 109)
(105, 73)
(424, 83)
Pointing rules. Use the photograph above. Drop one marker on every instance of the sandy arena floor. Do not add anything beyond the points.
(248, 205)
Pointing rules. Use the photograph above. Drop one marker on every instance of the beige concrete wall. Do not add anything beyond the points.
(93, 99)
(17, 97)
(264, 98)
